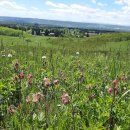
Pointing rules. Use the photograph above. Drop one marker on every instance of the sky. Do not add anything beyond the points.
(90, 11)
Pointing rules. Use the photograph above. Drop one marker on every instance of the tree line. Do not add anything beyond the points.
(40, 30)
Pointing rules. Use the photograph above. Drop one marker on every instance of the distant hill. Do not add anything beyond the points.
(94, 26)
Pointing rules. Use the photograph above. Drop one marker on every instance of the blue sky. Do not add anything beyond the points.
(95, 11)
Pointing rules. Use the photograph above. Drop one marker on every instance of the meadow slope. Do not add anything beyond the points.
(49, 83)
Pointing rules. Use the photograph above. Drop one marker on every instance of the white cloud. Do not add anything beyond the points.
(11, 8)
(93, 1)
(126, 6)
(101, 4)
(67, 12)
(51, 4)
(11, 5)
(98, 3)
(82, 13)
(5, 0)
(123, 2)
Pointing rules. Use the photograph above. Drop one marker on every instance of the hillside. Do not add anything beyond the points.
(11, 32)
(94, 26)
(64, 83)
(105, 42)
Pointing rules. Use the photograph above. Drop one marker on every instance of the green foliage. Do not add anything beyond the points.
(11, 32)
(85, 69)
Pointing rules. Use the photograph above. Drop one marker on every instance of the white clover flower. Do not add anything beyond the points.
(58, 105)
(9, 55)
(77, 53)
(3, 55)
(43, 57)
(106, 87)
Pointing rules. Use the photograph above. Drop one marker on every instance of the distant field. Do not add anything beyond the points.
(49, 83)
(104, 42)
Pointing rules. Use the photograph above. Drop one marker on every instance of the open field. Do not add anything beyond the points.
(65, 83)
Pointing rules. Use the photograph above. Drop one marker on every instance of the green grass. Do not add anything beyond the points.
(11, 32)
(83, 44)
(86, 77)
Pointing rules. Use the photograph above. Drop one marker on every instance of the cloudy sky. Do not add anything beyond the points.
(96, 11)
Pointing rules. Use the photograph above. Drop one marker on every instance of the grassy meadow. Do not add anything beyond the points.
(64, 83)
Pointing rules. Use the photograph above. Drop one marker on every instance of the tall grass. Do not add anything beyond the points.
(84, 97)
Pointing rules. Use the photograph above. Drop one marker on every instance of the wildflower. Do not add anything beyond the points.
(30, 82)
(30, 76)
(116, 91)
(123, 78)
(16, 66)
(115, 82)
(41, 96)
(77, 53)
(47, 82)
(56, 82)
(37, 97)
(91, 97)
(65, 99)
(28, 99)
(3, 55)
(11, 109)
(30, 79)
(10, 55)
(15, 78)
(81, 78)
(21, 76)
(43, 57)
(58, 105)
(110, 90)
